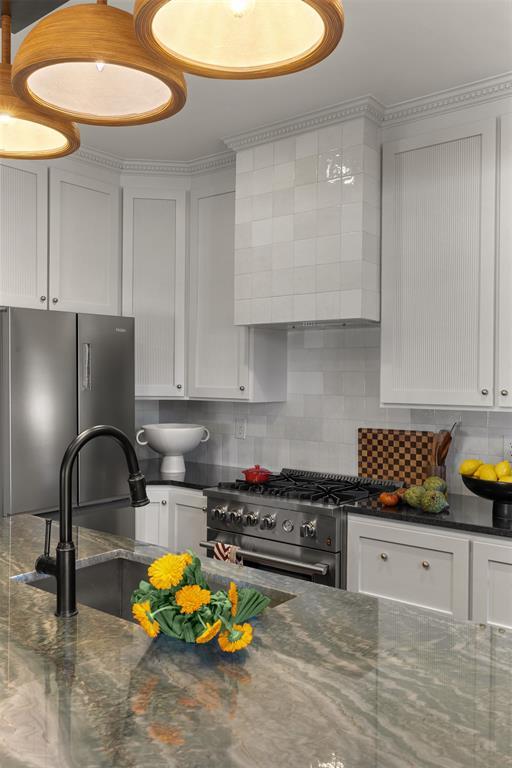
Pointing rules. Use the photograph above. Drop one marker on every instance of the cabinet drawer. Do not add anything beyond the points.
(408, 565)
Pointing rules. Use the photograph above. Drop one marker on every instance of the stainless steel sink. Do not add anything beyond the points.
(108, 585)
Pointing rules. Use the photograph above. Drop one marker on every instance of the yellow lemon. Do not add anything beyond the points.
(506, 479)
(487, 473)
(476, 473)
(502, 469)
(470, 466)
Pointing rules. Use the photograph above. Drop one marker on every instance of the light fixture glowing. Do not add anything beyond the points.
(25, 132)
(57, 66)
(240, 38)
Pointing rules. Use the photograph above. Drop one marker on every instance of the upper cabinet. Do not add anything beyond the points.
(438, 268)
(154, 242)
(504, 287)
(85, 256)
(224, 358)
(24, 234)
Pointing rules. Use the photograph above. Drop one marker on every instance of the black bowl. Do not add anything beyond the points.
(499, 493)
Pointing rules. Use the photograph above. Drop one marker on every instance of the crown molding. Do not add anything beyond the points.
(452, 99)
(156, 167)
(366, 106)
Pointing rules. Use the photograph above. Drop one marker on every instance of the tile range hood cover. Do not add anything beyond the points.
(307, 234)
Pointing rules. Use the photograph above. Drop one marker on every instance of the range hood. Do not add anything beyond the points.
(307, 236)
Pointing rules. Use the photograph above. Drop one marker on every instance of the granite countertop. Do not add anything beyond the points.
(332, 678)
(465, 513)
(196, 475)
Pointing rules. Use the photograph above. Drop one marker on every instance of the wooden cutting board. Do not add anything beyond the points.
(395, 454)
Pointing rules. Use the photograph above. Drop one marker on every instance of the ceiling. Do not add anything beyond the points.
(392, 49)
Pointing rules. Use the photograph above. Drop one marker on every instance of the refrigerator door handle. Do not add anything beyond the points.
(86, 367)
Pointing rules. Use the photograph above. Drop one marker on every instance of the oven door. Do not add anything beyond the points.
(276, 557)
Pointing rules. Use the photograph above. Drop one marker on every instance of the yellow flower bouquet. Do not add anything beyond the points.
(178, 602)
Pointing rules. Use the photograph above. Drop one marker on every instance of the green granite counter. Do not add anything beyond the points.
(332, 680)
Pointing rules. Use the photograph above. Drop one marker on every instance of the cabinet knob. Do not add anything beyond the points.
(42, 298)
(485, 391)
(425, 564)
(504, 392)
(242, 388)
(205, 509)
(383, 556)
(164, 502)
(178, 386)
(55, 300)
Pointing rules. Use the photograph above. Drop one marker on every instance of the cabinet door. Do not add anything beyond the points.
(85, 260)
(154, 288)
(152, 521)
(409, 565)
(218, 360)
(24, 234)
(438, 268)
(492, 584)
(504, 367)
(189, 519)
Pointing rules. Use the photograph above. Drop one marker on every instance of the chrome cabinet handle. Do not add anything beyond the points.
(55, 300)
(504, 392)
(42, 298)
(485, 391)
(242, 388)
(383, 556)
(205, 509)
(425, 564)
(164, 502)
(179, 386)
(314, 568)
(86, 367)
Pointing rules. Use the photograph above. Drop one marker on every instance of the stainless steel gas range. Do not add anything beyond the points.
(294, 523)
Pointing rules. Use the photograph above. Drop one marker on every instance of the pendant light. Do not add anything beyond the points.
(25, 133)
(85, 62)
(240, 39)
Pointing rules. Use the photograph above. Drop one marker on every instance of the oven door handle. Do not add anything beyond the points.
(316, 569)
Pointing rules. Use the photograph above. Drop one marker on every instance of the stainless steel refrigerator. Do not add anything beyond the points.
(60, 373)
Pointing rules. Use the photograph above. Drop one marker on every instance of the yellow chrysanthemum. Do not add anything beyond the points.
(210, 632)
(239, 637)
(233, 597)
(191, 598)
(140, 612)
(168, 570)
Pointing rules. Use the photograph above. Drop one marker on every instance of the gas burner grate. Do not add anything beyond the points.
(314, 487)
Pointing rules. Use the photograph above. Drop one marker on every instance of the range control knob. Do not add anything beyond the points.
(308, 530)
(236, 516)
(269, 522)
(219, 513)
(251, 519)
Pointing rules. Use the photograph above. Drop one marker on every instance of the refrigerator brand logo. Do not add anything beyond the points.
(120, 330)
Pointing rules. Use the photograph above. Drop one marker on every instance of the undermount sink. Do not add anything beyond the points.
(107, 585)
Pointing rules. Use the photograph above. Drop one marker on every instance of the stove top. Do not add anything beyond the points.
(312, 487)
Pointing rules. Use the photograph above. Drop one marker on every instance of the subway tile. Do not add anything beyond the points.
(329, 221)
(313, 339)
(262, 232)
(351, 304)
(282, 229)
(352, 189)
(282, 282)
(306, 383)
(303, 280)
(283, 176)
(328, 249)
(261, 258)
(328, 277)
(283, 201)
(261, 284)
(262, 206)
(304, 307)
(329, 193)
(284, 150)
(263, 180)
(261, 311)
(282, 309)
(306, 170)
(305, 198)
(328, 305)
(305, 225)
(304, 252)
(282, 255)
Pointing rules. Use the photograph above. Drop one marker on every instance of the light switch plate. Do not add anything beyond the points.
(507, 447)
(240, 429)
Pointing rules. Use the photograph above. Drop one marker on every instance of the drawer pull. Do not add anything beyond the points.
(425, 564)
(383, 556)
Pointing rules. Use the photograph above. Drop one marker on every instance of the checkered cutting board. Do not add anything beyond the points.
(397, 454)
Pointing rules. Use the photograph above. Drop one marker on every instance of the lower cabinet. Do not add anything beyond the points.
(492, 583)
(175, 518)
(409, 564)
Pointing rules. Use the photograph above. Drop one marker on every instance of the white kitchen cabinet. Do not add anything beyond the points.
(23, 234)
(504, 285)
(225, 361)
(438, 268)
(175, 518)
(492, 583)
(409, 564)
(85, 257)
(154, 224)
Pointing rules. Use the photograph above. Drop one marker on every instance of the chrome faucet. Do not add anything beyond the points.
(63, 566)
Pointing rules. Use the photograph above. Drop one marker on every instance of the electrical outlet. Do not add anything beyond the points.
(241, 429)
(507, 447)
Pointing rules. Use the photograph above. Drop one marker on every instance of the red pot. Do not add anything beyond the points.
(256, 474)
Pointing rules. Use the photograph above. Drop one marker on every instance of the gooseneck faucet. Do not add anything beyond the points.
(63, 566)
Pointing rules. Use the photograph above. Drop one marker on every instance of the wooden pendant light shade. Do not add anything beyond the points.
(240, 39)
(26, 133)
(85, 62)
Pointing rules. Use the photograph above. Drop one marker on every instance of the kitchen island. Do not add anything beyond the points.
(332, 679)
